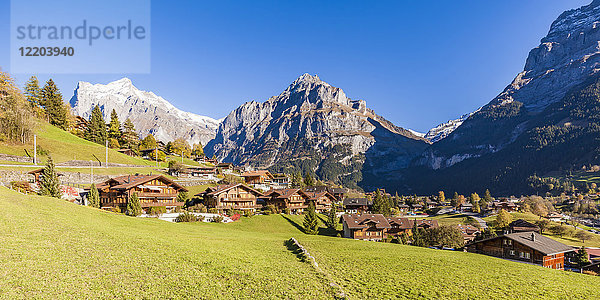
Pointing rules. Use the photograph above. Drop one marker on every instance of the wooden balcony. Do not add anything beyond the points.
(157, 203)
(239, 206)
(156, 195)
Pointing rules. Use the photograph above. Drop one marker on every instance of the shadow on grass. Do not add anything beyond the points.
(292, 247)
(298, 226)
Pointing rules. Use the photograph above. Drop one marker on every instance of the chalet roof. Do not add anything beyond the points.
(284, 193)
(402, 223)
(39, 171)
(213, 191)
(362, 221)
(264, 173)
(467, 229)
(224, 165)
(129, 181)
(315, 196)
(427, 223)
(357, 202)
(536, 241)
(522, 225)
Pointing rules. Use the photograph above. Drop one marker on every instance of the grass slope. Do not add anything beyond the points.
(50, 248)
(64, 146)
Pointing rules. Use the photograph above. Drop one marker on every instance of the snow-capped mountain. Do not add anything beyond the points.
(148, 112)
(443, 130)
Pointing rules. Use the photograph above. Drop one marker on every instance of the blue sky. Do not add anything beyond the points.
(417, 63)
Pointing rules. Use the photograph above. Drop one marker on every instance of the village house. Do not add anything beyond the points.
(232, 196)
(508, 206)
(280, 181)
(295, 200)
(39, 174)
(530, 247)
(206, 173)
(338, 193)
(466, 207)
(357, 205)
(152, 190)
(127, 152)
(403, 208)
(365, 227)
(521, 225)
(399, 226)
(555, 217)
(469, 232)
(323, 201)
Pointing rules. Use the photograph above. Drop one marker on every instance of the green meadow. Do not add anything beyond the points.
(50, 248)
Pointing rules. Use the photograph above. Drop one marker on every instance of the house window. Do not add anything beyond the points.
(512, 252)
(521, 254)
(527, 255)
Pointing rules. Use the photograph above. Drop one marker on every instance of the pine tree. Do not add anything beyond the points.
(114, 127)
(33, 92)
(297, 181)
(134, 208)
(130, 138)
(308, 179)
(53, 103)
(49, 185)
(311, 222)
(381, 205)
(581, 257)
(97, 129)
(331, 219)
(94, 197)
(182, 197)
(441, 196)
(149, 142)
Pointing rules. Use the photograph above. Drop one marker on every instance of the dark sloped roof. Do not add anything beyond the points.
(523, 225)
(129, 181)
(223, 188)
(357, 202)
(362, 221)
(539, 242)
(402, 223)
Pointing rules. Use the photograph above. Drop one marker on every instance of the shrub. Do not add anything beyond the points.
(21, 186)
(116, 209)
(217, 219)
(188, 217)
(272, 209)
(157, 211)
(286, 211)
(213, 210)
(248, 213)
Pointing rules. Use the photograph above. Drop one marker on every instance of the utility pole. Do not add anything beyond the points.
(35, 149)
(92, 167)
(182, 156)
(106, 154)
(156, 156)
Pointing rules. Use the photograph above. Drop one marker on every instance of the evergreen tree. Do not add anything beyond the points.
(297, 181)
(33, 92)
(581, 257)
(149, 142)
(311, 222)
(130, 137)
(182, 197)
(94, 197)
(441, 196)
(134, 208)
(198, 150)
(487, 197)
(53, 103)
(49, 185)
(96, 131)
(381, 205)
(474, 198)
(309, 180)
(331, 219)
(114, 127)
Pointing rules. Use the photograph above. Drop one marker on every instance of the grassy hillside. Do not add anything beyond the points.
(50, 248)
(64, 146)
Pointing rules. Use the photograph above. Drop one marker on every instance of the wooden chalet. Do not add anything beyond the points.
(231, 196)
(295, 200)
(406, 225)
(152, 190)
(506, 205)
(338, 193)
(371, 227)
(530, 247)
(521, 225)
(127, 152)
(38, 174)
(258, 177)
(400, 226)
(357, 205)
(469, 232)
(323, 200)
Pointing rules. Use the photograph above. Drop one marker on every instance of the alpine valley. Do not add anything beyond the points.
(547, 120)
